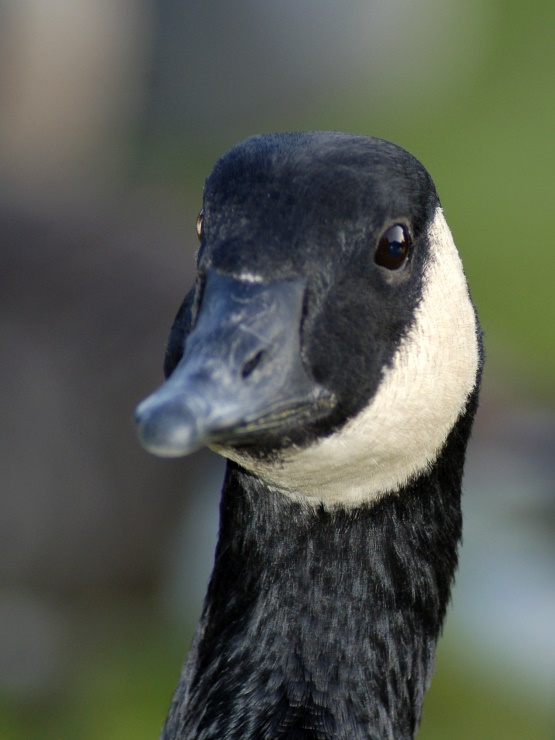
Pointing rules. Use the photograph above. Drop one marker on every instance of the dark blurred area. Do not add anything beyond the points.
(111, 116)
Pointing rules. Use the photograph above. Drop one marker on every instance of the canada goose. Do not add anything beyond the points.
(330, 350)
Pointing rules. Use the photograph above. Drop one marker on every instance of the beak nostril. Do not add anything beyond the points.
(252, 364)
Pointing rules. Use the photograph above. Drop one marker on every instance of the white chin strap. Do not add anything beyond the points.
(421, 395)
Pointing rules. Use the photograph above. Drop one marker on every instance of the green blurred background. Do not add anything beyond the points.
(112, 114)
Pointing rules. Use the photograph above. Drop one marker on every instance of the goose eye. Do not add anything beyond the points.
(393, 247)
(200, 224)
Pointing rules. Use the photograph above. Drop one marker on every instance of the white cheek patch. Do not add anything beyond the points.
(421, 395)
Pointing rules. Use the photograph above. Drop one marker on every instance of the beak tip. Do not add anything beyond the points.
(166, 429)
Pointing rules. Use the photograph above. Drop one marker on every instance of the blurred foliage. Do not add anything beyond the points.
(463, 703)
(122, 693)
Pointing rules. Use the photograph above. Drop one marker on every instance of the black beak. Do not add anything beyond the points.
(241, 375)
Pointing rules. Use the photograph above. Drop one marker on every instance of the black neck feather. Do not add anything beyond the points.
(323, 624)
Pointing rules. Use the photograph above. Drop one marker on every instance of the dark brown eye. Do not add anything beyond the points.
(393, 247)
(200, 224)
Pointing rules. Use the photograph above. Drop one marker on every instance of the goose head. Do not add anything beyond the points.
(329, 343)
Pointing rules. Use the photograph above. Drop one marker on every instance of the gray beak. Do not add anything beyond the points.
(241, 375)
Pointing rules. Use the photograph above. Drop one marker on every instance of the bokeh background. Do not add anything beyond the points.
(112, 113)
